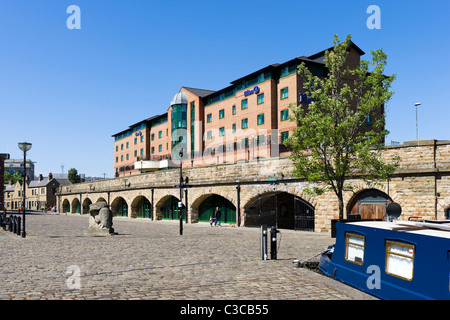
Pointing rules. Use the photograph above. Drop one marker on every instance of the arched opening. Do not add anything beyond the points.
(119, 207)
(66, 206)
(76, 206)
(368, 204)
(169, 208)
(281, 209)
(85, 208)
(208, 206)
(141, 208)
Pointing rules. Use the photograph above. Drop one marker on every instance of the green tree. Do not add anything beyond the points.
(73, 176)
(341, 133)
(15, 177)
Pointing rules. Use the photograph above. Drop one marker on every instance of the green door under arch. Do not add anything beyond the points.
(208, 207)
(143, 208)
(170, 209)
(122, 208)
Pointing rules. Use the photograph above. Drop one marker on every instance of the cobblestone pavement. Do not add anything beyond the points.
(150, 260)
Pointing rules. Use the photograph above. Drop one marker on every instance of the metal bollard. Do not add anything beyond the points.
(18, 226)
(264, 242)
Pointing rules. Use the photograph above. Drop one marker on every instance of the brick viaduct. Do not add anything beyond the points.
(421, 185)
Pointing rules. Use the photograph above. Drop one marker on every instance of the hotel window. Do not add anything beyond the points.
(260, 98)
(244, 104)
(221, 131)
(160, 134)
(244, 123)
(260, 140)
(284, 114)
(153, 136)
(209, 117)
(284, 136)
(260, 118)
(284, 93)
(121, 158)
(142, 138)
(153, 150)
(142, 152)
(121, 146)
(221, 114)
(233, 127)
(354, 248)
(128, 158)
(117, 148)
(128, 144)
(209, 135)
(135, 140)
(244, 143)
(135, 153)
(400, 259)
(233, 109)
(160, 148)
(117, 160)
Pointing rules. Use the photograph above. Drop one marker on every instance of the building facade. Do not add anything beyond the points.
(247, 120)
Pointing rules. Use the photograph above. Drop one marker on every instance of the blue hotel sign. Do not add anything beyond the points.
(304, 98)
(252, 91)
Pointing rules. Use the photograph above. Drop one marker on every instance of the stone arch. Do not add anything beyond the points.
(119, 207)
(279, 208)
(368, 203)
(141, 208)
(76, 206)
(101, 199)
(85, 206)
(65, 206)
(204, 207)
(167, 208)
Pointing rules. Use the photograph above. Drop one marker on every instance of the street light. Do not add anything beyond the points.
(417, 130)
(24, 146)
(180, 204)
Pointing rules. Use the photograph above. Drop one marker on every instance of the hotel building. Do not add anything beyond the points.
(248, 119)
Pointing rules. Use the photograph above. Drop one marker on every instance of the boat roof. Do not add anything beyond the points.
(441, 230)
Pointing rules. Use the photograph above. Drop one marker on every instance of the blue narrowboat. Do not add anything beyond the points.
(398, 260)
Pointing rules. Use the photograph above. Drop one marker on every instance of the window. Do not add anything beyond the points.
(221, 114)
(284, 114)
(260, 140)
(142, 152)
(284, 93)
(117, 148)
(135, 153)
(160, 134)
(354, 248)
(128, 158)
(221, 131)
(368, 120)
(117, 160)
(160, 148)
(234, 127)
(153, 136)
(244, 123)
(260, 98)
(209, 135)
(233, 109)
(260, 118)
(209, 117)
(121, 146)
(284, 136)
(400, 259)
(244, 143)
(128, 144)
(135, 140)
(121, 158)
(142, 138)
(153, 150)
(244, 104)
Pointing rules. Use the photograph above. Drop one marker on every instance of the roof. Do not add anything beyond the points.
(199, 92)
(319, 55)
(179, 98)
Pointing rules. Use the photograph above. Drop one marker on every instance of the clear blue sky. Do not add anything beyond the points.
(67, 91)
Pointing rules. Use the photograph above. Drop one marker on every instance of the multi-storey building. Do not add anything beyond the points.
(248, 119)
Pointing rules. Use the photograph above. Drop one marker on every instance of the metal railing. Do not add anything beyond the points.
(11, 222)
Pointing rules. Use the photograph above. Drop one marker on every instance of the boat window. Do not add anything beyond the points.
(354, 248)
(400, 259)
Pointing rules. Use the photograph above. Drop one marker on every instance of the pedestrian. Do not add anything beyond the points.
(217, 215)
(211, 220)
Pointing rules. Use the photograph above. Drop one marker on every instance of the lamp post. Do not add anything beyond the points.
(417, 130)
(180, 204)
(24, 146)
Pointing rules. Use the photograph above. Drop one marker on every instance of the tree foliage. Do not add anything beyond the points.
(341, 132)
(73, 176)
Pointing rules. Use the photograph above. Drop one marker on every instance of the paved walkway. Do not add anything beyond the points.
(150, 260)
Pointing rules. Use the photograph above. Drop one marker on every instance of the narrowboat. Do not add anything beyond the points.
(392, 260)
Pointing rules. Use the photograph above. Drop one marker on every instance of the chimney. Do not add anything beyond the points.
(10, 181)
(27, 178)
(40, 177)
(50, 176)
